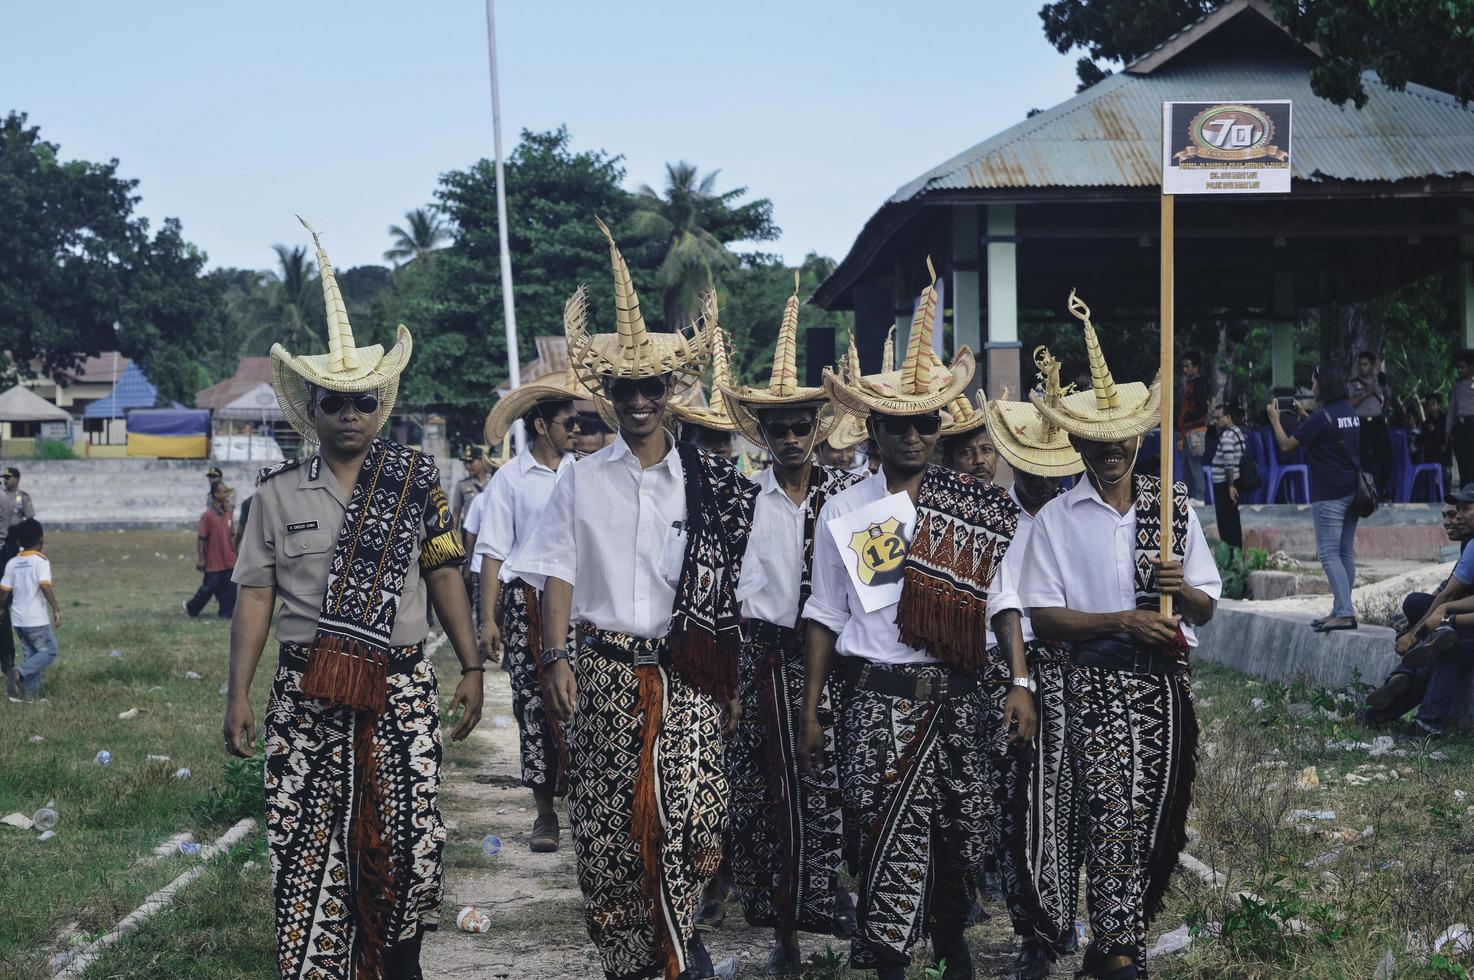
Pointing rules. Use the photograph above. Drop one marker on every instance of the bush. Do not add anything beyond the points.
(244, 792)
(1235, 565)
(52, 449)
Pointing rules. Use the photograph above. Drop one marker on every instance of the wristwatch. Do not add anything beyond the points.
(550, 657)
(1027, 683)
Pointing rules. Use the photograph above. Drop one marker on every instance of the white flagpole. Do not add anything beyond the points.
(514, 369)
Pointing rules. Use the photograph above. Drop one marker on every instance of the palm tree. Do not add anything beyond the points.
(693, 224)
(426, 232)
(296, 297)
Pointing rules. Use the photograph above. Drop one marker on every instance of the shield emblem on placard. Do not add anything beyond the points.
(880, 550)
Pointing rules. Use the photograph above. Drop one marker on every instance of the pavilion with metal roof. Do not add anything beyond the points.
(1381, 196)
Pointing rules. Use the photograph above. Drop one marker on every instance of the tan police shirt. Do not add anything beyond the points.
(289, 541)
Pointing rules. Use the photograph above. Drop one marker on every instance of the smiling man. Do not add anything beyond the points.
(784, 847)
(1092, 577)
(641, 546)
(910, 660)
(350, 539)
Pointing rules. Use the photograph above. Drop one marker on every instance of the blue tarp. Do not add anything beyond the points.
(134, 390)
(169, 422)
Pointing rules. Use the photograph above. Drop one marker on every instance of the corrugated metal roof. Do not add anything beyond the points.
(134, 390)
(1110, 134)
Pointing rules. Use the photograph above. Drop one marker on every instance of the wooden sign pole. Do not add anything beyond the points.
(1169, 435)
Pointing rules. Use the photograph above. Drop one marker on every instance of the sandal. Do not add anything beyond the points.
(1331, 626)
(545, 834)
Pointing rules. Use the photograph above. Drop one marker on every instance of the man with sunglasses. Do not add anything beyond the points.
(641, 547)
(351, 541)
(784, 846)
(510, 507)
(470, 485)
(912, 768)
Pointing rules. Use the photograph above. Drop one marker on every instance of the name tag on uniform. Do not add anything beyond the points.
(301, 526)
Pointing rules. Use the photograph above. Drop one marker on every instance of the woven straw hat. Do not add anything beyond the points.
(1024, 437)
(515, 403)
(1109, 411)
(343, 368)
(746, 402)
(922, 383)
(848, 431)
(631, 351)
(715, 414)
(961, 416)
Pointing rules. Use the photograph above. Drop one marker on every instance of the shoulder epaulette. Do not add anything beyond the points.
(276, 469)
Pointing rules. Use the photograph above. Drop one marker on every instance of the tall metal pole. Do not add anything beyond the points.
(509, 314)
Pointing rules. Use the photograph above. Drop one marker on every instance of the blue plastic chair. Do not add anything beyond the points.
(1207, 484)
(1282, 469)
(1406, 475)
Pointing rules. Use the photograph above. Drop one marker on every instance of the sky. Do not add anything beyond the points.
(234, 116)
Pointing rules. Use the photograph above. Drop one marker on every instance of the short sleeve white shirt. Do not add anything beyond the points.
(471, 524)
(1082, 556)
(513, 502)
(835, 603)
(773, 567)
(1003, 595)
(24, 576)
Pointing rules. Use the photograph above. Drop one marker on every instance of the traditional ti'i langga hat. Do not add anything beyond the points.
(632, 351)
(715, 414)
(1024, 437)
(343, 368)
(745, 402)
(1109, 411)
(560, 387)
(922, 383)
(961, 416)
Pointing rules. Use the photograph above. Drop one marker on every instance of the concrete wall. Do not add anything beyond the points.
(1409, 531)
(1281, 646)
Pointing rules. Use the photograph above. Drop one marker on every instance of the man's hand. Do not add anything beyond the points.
(1169, 577)
(1233, 492)
(491, 643)
(56, 618)
(811, 754)
(560, 691)
(467, 696)
(1018, 709)
(1150, 627)
(734, 717)
(239, 728)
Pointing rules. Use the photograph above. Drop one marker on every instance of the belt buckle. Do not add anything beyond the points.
(646, 658)
(923, 688)
(1144, 661)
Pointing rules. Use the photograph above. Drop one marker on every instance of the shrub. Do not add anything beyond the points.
(52, 449)
(1235, 565)
(244, 792)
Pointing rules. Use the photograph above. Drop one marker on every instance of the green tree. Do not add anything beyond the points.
(296, 299)
(422, 233)
(1117, 32)
(692, 224)
(752, 309)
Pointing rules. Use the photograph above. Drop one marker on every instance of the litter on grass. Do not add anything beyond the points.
(128, 715)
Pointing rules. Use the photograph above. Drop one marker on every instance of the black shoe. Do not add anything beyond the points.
(1440, 640)
(712, 914)
(1391, 691)
(992, 887)
(1033, 963)
(844, 915)
(784, 962)
(700, 967)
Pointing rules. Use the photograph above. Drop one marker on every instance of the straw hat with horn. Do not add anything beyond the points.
(747, 402)
(1024, 437)
(961, 416)
(1109, 411)
(344, 368)
(716, 413)
(922, 383)
(632, 351)
(515, 403)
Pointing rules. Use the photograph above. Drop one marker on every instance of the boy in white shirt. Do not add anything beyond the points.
(26, 591)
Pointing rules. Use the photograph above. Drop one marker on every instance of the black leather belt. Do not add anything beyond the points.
(402, 660)
(1121, 652)
(769, 634)
(628, 650)
(865, 676)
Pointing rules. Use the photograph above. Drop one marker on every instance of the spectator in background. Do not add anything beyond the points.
(1332, 440)
(27, 598)
(215, 555)
(718, 442)
(22, 507)
(1368, 395)
(9, 546)
(593, 434)
(1192, 422)
(1432, 436)
(1227, 458)
(212, 476)
(839, 458)
(1460, 418)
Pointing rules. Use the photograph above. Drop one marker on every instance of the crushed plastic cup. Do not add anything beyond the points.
(36, 739)
(472, 919)
(103, 758)
(491, 845)
(59, 960)
(189, 848)
(182, 772)
(118, 654)
(45, 818)
(46, 835)
(190, 675)
(158, 760)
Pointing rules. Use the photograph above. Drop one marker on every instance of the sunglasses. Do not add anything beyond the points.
(623, 389)
(898, 425)
(779, 430)
(367, 404)
(569, 424)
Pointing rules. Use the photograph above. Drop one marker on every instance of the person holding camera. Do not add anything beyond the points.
(1332, 440)
(1226, 464)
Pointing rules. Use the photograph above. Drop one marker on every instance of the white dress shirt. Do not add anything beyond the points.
(836, 605)
(514, 499)
(1082, 556)
(471, 524)
(1004, 593)
(773, 567)
(604, 531)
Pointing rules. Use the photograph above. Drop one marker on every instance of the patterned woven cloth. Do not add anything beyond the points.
(542, 739)
(1149, 540)
(963, 527)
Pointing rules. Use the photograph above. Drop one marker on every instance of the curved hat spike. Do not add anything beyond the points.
(1106, 395)
(916, 376)
(888, 352)
(784, 380)
(342, 353)
(629, 323)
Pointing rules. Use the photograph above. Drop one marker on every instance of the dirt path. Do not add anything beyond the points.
(536, 911)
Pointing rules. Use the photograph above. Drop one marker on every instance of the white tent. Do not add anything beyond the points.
(21, 404)
(256, 405)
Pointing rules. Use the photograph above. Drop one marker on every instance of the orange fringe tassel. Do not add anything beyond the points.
(948, 624)
(648, 833)
(344, 672)
(374, 894)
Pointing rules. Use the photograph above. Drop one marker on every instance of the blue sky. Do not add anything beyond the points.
(235, 115)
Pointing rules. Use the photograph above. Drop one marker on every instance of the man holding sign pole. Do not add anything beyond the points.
(903, 563)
